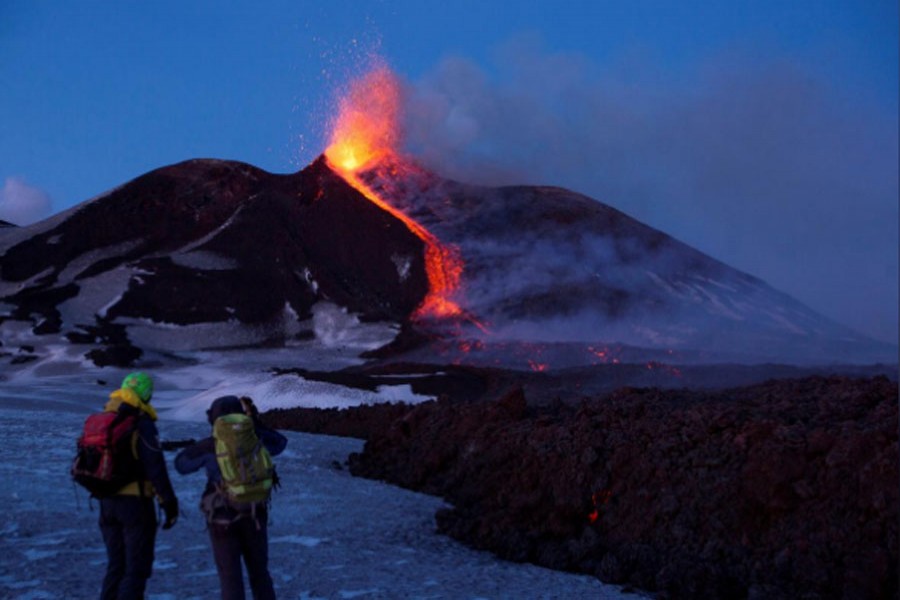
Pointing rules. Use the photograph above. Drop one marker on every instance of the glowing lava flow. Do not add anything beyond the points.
(366, 133)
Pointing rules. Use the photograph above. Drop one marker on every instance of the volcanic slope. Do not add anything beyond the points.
(209, 242)
(545, 264)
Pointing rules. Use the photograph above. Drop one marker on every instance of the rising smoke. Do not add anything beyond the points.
(763, 167)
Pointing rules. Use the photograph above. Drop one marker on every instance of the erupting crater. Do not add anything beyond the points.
(364, 140)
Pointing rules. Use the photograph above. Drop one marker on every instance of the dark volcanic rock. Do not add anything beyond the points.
(214, 241)
(454, 383)
(782, 490)
(357, 423)
(116, 351)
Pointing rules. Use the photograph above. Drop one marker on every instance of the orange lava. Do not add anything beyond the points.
(366, 134)
(537, 367)
(598, 499)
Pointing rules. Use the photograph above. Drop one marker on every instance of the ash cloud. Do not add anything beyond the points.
(764, 167)
(22, 204)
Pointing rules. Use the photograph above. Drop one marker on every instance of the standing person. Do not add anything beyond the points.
(128, 517)
(236, 530)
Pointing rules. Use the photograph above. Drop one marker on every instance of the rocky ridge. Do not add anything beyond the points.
(786, 489)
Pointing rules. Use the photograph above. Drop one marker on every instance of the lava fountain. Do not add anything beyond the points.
(364, 138)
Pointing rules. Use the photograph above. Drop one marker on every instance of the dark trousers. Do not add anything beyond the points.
(247, 539)
(128, 524)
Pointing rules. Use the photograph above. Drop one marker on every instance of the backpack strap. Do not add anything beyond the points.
(220, 509)
(140, 481)
(120, 416)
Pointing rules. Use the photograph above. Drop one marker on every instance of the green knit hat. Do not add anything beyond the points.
(140, 383)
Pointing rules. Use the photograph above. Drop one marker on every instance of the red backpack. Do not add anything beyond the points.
(105, 460)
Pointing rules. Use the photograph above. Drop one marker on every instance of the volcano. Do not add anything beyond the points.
(234, 255)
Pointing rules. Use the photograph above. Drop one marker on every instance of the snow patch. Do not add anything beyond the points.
(39, 554)
(10, 582)
(335, 327)
(162, 335)
(300, 540)
(662, 283)
(81, 262)
(785, 323)
(212, 234)
(403, 264)
(716, 306)
(285, 391)
(719, 284)
(146, 333)
(358, 593)
(308, 278)
(9, 288)
(204, 261)
(96, 296)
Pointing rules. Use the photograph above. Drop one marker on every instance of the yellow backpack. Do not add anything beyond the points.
(246, 465)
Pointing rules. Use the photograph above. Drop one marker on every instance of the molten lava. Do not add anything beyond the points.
(364, 139)
(598, 499)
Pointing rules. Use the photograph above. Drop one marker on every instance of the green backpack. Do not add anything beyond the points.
(247, 469)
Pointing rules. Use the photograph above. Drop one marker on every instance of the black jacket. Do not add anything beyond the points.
(152, 463)
(202, 455)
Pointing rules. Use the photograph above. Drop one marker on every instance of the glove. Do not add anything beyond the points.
(249, 407)
(276, 480)
(171, 509)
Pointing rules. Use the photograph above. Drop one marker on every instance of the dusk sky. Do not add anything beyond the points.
(764, 133)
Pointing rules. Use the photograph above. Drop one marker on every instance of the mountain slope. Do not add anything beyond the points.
(216, 245)
(547, 264)
(214, 241)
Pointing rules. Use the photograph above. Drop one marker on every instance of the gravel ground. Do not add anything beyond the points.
(331, 535)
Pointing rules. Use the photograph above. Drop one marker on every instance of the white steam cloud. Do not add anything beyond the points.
(22, 204)
(762, 166)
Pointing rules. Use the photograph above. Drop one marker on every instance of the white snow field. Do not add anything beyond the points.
(331, 535)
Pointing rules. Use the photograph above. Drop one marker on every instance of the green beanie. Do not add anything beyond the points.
(140, 383)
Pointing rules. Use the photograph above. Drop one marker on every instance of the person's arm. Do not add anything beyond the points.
(151, 456)
(272, 440)
(193, 458)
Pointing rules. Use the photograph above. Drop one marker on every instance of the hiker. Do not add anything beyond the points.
(128, 517)
(237, 529)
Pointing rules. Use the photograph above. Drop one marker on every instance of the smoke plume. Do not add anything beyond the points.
(763, 167)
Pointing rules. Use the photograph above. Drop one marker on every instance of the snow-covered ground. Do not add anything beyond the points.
(331, 535)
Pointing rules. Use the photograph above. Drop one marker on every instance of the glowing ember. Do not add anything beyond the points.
(365, 136)
(467, 346)
(604, 355)
(537, 367)
(598, 499)
(674, 371)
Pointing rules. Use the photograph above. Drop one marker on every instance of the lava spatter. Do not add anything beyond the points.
(364, 138)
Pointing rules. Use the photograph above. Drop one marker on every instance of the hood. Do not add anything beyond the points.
(129, 397)
(224, 405)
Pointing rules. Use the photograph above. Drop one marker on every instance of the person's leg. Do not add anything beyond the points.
(138, 517)
(255, 550)
(227, 554)
(115, 550)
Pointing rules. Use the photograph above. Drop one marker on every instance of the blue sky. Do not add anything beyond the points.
(763, 133)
